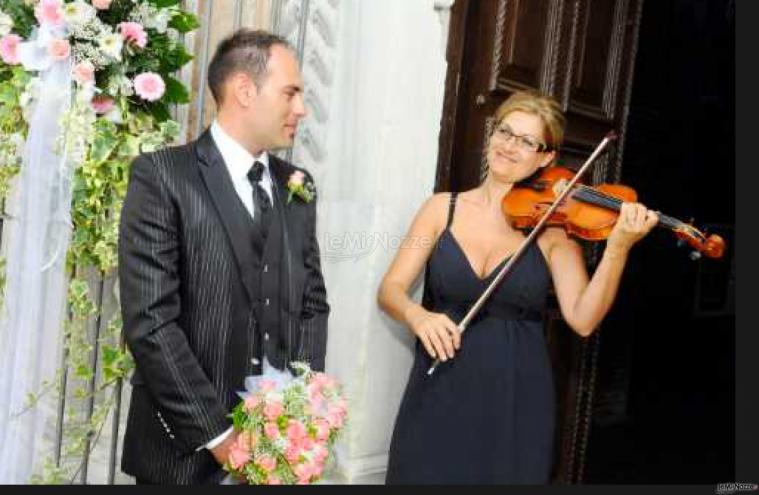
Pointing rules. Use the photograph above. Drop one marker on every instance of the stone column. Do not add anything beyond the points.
(374, 72)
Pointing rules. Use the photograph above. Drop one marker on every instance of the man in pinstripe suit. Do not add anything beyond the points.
(220, 274)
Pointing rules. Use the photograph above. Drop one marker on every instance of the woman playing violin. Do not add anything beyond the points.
(487, 414)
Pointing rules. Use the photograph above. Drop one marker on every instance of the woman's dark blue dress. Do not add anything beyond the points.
(487, 415)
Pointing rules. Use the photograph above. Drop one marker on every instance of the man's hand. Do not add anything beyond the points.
(221, 451)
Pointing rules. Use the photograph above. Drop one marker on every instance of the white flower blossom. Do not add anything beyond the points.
(153, 17)
(78, 13)
(86, 51)
(6, 23)
(111, 44)
(173, 35)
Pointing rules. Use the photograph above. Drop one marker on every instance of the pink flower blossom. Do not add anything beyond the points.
(322, 429)
(251, 402)
(59, 49)
(238, 457)
(9, 49)
(84, 73)
(267, 463)
(149, 86)
(133, 32)
(272, 410)
(306, 443)
(102, 104)
(320, 452)
(303, 471)
(295, 430)
(335, 420)
(101, 4)
(292, 453)
(271, 430)
(49, 12)
(273, 480)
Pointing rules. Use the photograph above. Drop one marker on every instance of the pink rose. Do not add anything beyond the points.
(317, 470)
(271, 430)
(295, 430)
(303, 471)
(84, 73)
(296, 178)
(102, 104)
(59, 49)
(101, 4)
(322, 429)
(272, 410)
(133, 32)
(320, 452)
(9, 49)
(292, 453)
(334, 419)
(251, 402)
(273, 480)
(267, 463)
(49, 12)
(149, 86)
(238, 457)
(315, 402)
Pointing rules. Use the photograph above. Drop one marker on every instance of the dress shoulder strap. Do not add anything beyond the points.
(451, 209)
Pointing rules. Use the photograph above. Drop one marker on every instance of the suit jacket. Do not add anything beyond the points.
(187, 275)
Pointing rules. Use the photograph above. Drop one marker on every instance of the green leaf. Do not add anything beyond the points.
(164, 3)
(175, 91)
(102, 146)
(7, 94)
(174, 59)
(184, 22)
(160, 111)
(129, 148)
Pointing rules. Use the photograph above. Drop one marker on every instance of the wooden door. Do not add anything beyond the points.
(582, 52)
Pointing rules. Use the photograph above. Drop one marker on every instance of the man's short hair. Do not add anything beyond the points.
(245, 50)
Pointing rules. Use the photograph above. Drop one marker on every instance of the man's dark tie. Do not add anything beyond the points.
(261, 204)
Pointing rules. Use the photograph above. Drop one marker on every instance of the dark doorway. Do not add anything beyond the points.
(649, 398)
(664, 409)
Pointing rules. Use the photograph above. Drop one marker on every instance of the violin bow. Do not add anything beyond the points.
(462, 326)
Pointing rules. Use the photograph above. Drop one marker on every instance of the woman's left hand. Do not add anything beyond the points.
(633, 223)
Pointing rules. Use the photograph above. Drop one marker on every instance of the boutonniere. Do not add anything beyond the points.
(297, 185)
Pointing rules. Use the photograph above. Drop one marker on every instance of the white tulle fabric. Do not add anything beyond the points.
(36, 236)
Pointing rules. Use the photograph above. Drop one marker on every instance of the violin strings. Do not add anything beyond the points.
(602, 199)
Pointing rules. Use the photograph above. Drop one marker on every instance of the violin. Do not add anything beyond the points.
(590, 212)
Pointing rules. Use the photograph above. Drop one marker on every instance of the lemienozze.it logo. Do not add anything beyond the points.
(725, 488)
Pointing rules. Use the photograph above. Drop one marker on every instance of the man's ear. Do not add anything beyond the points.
(242, 89)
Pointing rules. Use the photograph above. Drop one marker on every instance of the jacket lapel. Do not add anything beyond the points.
(222, 191)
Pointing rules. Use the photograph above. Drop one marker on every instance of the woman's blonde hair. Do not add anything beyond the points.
(542, 105)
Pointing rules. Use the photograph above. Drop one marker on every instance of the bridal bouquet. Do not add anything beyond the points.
(287, 428)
